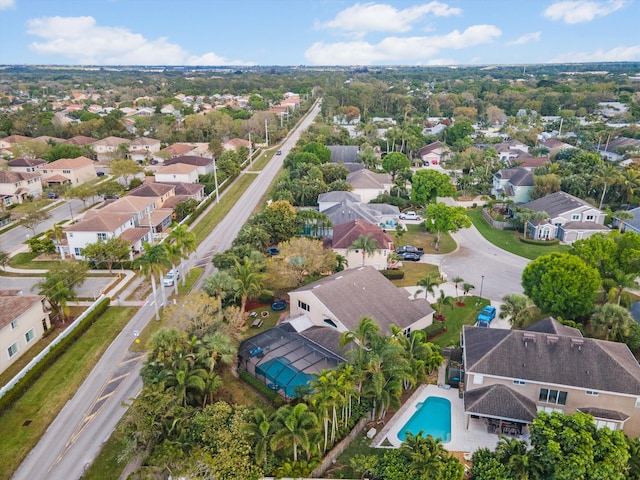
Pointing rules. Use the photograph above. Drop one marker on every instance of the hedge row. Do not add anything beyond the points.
(434, 329)
(13, 395)
(259, 386)
(393, 274)
(542, 243)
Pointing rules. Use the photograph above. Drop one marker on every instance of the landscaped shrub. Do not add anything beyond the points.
(393, 274)
(266, 298)
(542, 243)
(259, 386)
(49, 359)
(434, 329)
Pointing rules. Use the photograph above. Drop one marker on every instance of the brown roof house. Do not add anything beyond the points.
(345, 234)
(17, 187)
(511, 375)
(341, 300)
(26, 165)
(434, 152)
(23, 320)
(68, 170)
(161, 192)
(109, 148)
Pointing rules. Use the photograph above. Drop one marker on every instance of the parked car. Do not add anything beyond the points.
(487, 314)
(434, 162)
(100, 174)
(410, 249)
(273, 251)
(52, 195)
(409, 216)
(279, 152)
(170, 277)
(410, 256)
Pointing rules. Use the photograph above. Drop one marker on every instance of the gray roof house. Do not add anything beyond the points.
(570, 218)
(344, 153)
(329, 199)
(632, 225)
(377, 213)
(510, 375)
(368, 184)
(516, 184)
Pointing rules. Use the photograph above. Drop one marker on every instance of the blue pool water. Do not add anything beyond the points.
(433, 417)
(281, 374)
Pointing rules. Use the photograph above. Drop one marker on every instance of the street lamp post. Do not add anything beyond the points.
(481, 285)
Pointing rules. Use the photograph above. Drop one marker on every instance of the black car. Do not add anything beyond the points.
(410, 256)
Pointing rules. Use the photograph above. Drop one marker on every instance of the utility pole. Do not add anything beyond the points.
(266, 132)
(215, 179)
(250, 152)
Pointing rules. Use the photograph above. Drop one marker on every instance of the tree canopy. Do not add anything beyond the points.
(429, 184)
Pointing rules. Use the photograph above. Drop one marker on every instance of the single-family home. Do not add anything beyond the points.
(143, 148)
(235, 143)
(344, 153)
(329, 199)
(614, 150)
(97, 225)
(382, 214)
(17, 187)
(345, 234)
(175, 150)
(186, 191)
(631, 225)
(368, 184)
(109, 148)
(68, 170)
(26, 165)
(6, 143)
(23, 321)
(204, 165)
(141, 207)
(510, 149)
(80, 140)
(515, 184)
(161, 192)
(569, 218)
(511, 375)
(177, 172)
(434, 153)
(526, 161)
(341, 300)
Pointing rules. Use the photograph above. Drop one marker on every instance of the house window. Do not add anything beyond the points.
(14, 325)
(102, 236)
(13, 349)
(552, 396)
(590, 218)
(575, 216)
(303, 306)
(77, 251)
(593, 393)
(519, 382)
(30, 335)
(66, 171)
(549, 409)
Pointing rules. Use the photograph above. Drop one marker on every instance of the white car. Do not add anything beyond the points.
(409, 216)
(169, 278)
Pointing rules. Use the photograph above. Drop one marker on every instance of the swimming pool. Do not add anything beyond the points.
(433, 417)
(282, 375)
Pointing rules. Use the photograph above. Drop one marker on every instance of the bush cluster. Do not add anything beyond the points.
(543, 243)
(393, 274)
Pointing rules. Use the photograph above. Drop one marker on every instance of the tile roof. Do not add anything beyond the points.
(69, 163)
(12, 306)
(157, 216)
(183, 188)
(132, 235)
(345, 234)
(365, 292)
(143, 141)
(15, 138)
(551, 358)
(179, 148)
(128, 204)
(80, 140)
(500, 401)
(176, 169)
(556, 204)
(8, 176)
(190, 160)
(94, 221)
(152, 190)
(111, 141)
(26, 162)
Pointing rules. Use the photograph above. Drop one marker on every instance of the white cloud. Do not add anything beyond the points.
(526, 38)
(81, 40)
(4, 4)
(380, 17)
(398, 50)
(617, 54)
(578, 11)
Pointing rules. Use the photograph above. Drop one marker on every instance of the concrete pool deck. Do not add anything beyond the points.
(461, 440)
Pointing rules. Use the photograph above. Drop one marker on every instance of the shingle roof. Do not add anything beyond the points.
(7, 176)
(176, 169)
(12, 306)
(368, 179)
(500, 401)
(365, 292)
(69, 163)
(519, 176)
(94, 221)
(26, 162)
(347, 210)
(190, 160)
(635, 222)
(344, 153)
(345, 234)
(604, 413)
(556, 359)
(338, 197)
(551, 326)
(556, 204)
(584, 226)
(431, 147)
(151, 190)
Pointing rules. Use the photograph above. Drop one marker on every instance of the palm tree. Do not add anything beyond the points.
(260, 430)
(219, 285)
(518, 308)
(629, 183)
(326, 398)
(186, 242)
(175, 256)
(466, 288)
(609, 175)
(215, 348)
(58, 295)
(614, 320)
(212, 383)
(456, 281)
(365, 244)
(341, 263)
(295, 424)
(443, 300)
(428, 283)
(624, 280)
(425, 454)
(187, 382)
(366, 331)
(513, 454)
(621, 216)
(152, 262)
(249, 281)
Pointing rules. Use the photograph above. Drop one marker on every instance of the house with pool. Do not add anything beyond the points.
(511, 375)
(287, 356)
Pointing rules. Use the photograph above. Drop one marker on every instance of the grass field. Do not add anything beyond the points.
(46, 397)
(417, 236)
(507, 240)
(457, 317)
(414, 272)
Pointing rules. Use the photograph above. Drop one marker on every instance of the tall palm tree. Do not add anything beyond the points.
(457, 280)
(443, 300)
(425, 455)
(249, 281)
(609, 175)
(186, 242)
(341, 263)
(365, 244)
(362, 336)
(624, 280)
(175, 256)
(613, 320)
(187, 382)
(295, 425)
(58, 295)
(153, 262)
(518, 308)
(629, 183)
(215, 348)
(467, 287)
(428, 284)
(260, 429)
(621, 216)
(326, 398)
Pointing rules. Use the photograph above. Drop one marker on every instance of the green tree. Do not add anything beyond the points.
(295, 424)
(457, 132)
(429, 184)
(153, 262)
(109, 251)
(63, 150)
(59, 284)
(34, 218)
(125, 168)
(615, 321)
(445, 219)
(561, 284)
(428, 284)
(319, 150)
(395, 162)
(517, 308)
(280, 221)
(366, 244)
(185, 240)
(248, 280)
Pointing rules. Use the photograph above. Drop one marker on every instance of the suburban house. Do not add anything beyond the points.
(344, 153)
(16, 187)
(177, 172)
(6, 144)
(515, 184)
(510, 149)
(570, 218)
(68, 170)
(143, 148)
(175, 150)
(526, 161)
(329, 199)
(377, 213)
(632, 225)
(434, 153)
(80, 140)
(204, 165)
(345, 234)
(341, 300)
(97, 225)
(23, 321)
(161, 192)
(236, 143)
(511, 375)
(368, 184)
(109, 148)
(614, 150)
(25, 165)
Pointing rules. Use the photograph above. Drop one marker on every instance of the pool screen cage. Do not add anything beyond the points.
(285, 361)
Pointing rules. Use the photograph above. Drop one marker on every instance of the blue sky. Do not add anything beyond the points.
(317, 32)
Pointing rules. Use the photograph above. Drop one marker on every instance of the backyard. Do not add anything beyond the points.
(417, 236)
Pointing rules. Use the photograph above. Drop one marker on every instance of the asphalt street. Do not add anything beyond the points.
(91, 288)
(75, 437)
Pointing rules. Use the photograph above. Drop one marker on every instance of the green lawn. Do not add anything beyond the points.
(414, 272)
(46, 397)
(507, 240)
(26, 260)
(456, 317)
(22, 362)
(417, 236)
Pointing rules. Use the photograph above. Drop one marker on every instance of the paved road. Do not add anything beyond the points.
(91, 288)
(75, 437)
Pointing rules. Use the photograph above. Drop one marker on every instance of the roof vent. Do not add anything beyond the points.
(577, 342)
(552, 339)
(528, 337)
